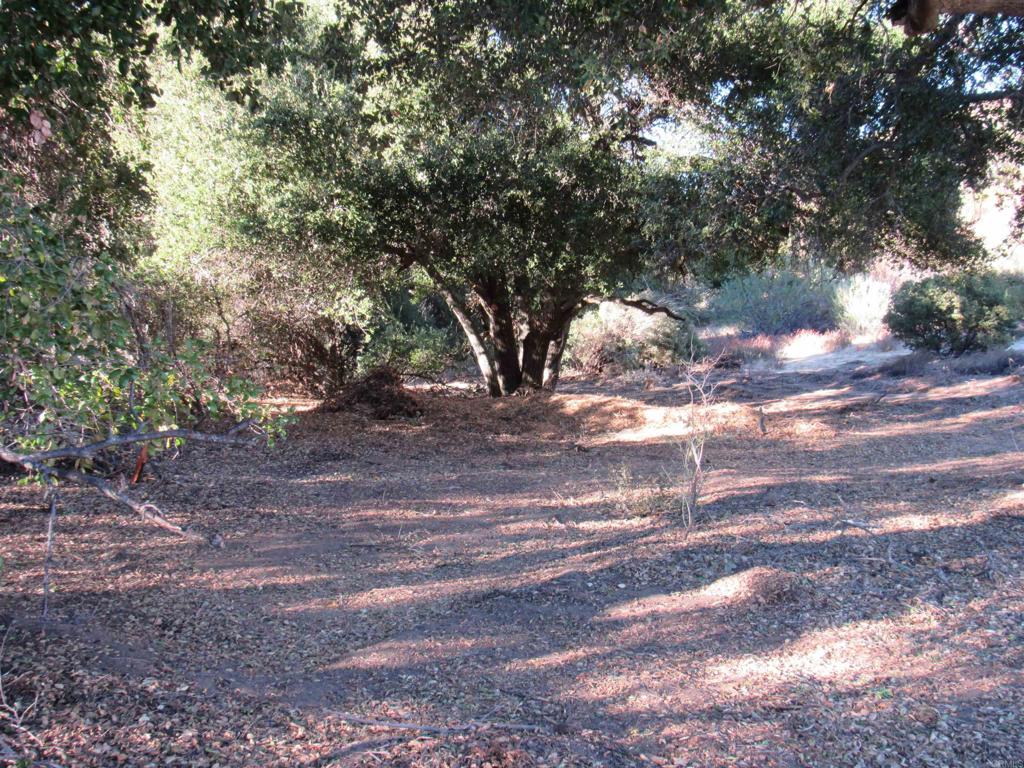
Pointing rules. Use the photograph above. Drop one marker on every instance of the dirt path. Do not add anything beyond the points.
(851, 594)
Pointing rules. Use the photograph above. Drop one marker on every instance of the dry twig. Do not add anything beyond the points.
(701, 391)
(866, 527)
(441, 730)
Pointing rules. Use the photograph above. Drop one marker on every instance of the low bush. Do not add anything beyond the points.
(77, 361)
(418, 350)
(1011, 286)
(380, 392)
(992, 363)
(951, 315)
(914, 364)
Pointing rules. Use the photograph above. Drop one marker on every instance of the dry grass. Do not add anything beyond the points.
(772, 351)
(990, 363)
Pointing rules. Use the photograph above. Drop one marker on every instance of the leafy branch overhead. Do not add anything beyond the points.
(73, 46)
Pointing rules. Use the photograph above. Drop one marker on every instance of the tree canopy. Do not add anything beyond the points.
(504, 148)
(514, 207)
(506, 151)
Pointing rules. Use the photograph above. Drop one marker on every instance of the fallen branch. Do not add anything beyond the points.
(440, 730)
(867, 527)
(38, 463)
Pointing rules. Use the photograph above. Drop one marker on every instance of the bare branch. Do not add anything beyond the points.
(85, 451)
(857, 160)
(636, 138)
(1004, 95)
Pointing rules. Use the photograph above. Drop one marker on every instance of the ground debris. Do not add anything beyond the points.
(850, 593)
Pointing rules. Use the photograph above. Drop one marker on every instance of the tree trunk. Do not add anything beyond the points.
(535, 357)
(553, 366)
(918, 17)
(503, 339)
(483, 359)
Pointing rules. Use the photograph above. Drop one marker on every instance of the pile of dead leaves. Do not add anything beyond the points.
(380, 392)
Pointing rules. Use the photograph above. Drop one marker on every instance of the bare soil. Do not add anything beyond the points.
(511, 581)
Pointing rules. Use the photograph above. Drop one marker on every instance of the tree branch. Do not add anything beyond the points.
(860, 157)
(636, 138)
(644, 305)
(148, 512)
(979, 98)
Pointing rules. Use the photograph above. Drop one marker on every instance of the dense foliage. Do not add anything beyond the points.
(504, 150)
(777, 301)
(72, 48)
(829, 132)
(951, 315)
(73, 365)
(409, 169)
(515, 216)
(811, 126)
(84, 350)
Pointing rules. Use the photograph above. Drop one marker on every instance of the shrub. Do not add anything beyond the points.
(914, 364)
(614, 336)
(775, 302)
(414, 350)
(1011, 286)
(991, 363)
(379, 391)
(951, 315)
(76, 360)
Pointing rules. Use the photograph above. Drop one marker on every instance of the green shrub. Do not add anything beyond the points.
(775, 302)
(951, 315)
(1011, 285)
(76, 362)
(418, 350)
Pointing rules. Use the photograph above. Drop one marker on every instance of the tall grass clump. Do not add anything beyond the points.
(859, 305)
